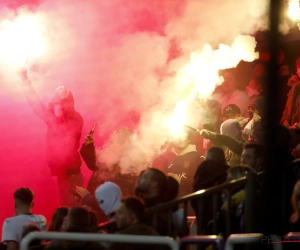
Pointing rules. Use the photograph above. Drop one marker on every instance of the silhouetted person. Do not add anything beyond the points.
(64, 125)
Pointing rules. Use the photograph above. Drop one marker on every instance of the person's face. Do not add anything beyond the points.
(123, 217)
(253, 84)
(182, 142)
(58, 110)
(144, 181)
(248, 157)
(229, 83)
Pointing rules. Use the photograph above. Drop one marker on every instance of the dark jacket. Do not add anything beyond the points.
(208, 175)
(135, 229)
(234, 145)
(126, 182)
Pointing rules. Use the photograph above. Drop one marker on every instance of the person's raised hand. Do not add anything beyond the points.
(82, 192)
(89, 139)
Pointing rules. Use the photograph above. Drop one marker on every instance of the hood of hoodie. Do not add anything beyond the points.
(232, 128)
(62, 95)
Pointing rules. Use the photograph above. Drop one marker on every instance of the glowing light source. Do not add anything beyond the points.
(176, 120)
(294, 9)
(21, 39)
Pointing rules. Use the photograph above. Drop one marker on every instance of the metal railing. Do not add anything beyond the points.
(248, 182)
(115, 238)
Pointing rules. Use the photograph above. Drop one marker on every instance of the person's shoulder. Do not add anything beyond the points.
(9, 220)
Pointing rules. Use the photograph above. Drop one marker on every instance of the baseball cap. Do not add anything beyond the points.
(231, 108)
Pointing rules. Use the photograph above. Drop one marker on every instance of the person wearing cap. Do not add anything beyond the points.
(231, 111)
(228, 92)
(64, 126)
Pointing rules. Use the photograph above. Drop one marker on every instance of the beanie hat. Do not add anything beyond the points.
(108, 196)
(232, 128)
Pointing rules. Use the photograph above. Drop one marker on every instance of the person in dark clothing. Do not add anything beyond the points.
(184, 164)
(210, 173)
(77, 221)
(129, 219)
(64, 125)
(101, 171)
(153, 188)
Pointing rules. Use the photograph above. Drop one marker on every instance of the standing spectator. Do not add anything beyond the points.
(13, 226)
(228, 93)
(64, 125)
(108, 169)
(184, 165)
(231, 111)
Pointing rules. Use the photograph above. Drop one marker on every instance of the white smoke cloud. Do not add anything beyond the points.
(115, 56)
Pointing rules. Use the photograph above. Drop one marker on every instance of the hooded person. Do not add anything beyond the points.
(105, 200)
(233, 129)
(64, 126)
(108, 196)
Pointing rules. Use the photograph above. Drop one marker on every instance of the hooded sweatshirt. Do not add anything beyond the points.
(232, 128)
(63, 137)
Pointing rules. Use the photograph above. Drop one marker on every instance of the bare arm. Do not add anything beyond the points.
(12, 245)
(36, 104)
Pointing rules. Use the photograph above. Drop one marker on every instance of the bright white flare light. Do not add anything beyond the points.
(294, 9)
(179, 117)
(199, 77)
(21, 39)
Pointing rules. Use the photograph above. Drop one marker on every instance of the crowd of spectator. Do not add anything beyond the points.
(237, 148)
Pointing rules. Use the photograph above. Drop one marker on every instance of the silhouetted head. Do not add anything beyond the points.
(130, 211)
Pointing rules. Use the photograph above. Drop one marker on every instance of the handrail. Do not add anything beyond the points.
(157, 240)
(198, 194)
(234, 239)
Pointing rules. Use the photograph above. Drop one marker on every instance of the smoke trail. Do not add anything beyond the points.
(116, 57)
